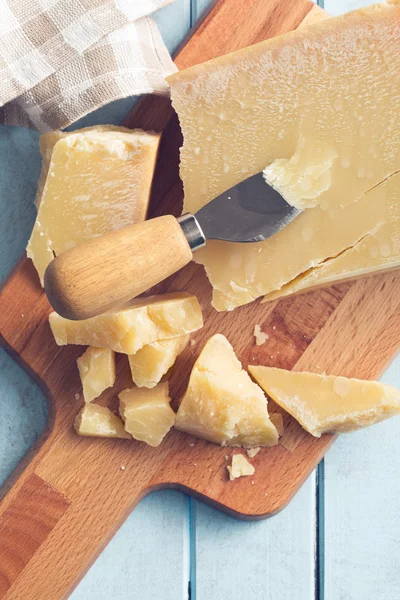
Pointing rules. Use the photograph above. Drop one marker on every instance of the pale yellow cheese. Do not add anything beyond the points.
(97, 371)
(99, 421)
(252, 452)
(318, 110)
(240, 467)
(324, 403)
(147, 413)
(152, 362)
(222, 404)
(377, 251)
(142, 321)
(97, 181)
(48, 140)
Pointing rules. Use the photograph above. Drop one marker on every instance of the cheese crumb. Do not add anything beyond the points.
(77, 396)
(192, 342)
(122, 468)
(240, 467)
(251, 452)
(260, 336)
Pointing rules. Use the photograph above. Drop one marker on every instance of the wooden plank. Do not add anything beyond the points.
(360, 540)
(174, 22)
(147, 558)
(362, 511)
(262, 561)
(337, 7)
(199, 8)
(24, 409)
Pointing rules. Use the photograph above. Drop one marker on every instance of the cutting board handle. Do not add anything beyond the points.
(107, 271)
(62, 505)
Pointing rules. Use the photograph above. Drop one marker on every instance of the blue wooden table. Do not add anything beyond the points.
(340, 537)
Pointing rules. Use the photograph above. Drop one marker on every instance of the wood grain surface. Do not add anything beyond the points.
(351, 329)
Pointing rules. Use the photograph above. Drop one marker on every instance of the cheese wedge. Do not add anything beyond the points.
(222, 404)
(97, 181)
(147, 414)
(97, 371)
(152, 362)
(240, 467)
(48, 140)
(328, 404)
(99, 421)
(142, 321)
(318, 110)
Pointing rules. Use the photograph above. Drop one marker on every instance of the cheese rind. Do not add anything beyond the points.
(142, 321)
(153, 361)
(97, 371)
(97, 181)
(99, 421)
(328, 404)
(240, 467)
(325, 142)
(147, 413)
(222, 404)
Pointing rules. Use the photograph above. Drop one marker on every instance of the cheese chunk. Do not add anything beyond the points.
(222, 404)
(142, 321)
(377, 251)
(252, 452)
(328, 404)
(240, 467)
(97, 181)
(147, 413)
(97, 371)
(318, 110)
(48, 140)
(99, 421)
(151, 362)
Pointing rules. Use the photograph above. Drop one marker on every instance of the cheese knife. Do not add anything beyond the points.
(107, 271)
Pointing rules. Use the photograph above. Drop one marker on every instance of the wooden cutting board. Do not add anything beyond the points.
(68, 498)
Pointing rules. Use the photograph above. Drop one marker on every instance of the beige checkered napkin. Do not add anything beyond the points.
(61, 59)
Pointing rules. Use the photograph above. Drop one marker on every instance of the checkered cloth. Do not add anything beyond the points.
(61, 59)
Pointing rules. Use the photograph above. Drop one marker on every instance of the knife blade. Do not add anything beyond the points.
(251, 211)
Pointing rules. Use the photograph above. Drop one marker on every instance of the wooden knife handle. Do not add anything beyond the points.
(107, 271)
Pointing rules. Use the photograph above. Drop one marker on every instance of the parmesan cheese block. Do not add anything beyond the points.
(222, 404)
(147, 414)
(240, 467)
(99, 421)
(97, 371)
(152, 362)
(142, 321)
(331, 404)
(97, 181)
(318, 110)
